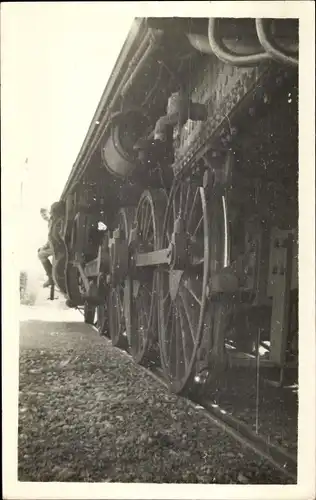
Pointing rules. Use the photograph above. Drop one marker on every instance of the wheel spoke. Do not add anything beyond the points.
(121, 299)
(198, 226)
(177, 345)
(165, 285)
(143, 216)
(192, 208)
(118, 311)
(180, 201)
(171, 337)
(193, 294)
(169, 231)
(174, 209)
(187, 312)
(147, 226)
(143, 304)
(182, 329)
(185, 210)
(169, 314)
(141, 324)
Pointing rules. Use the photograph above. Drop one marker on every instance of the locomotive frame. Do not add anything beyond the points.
(191, 162)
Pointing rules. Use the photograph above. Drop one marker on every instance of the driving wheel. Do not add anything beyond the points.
(182, 285)
(140, 292)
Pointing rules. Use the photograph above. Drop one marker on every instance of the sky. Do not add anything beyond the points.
(56, 60)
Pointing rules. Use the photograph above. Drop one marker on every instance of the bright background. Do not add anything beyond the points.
(56, 60)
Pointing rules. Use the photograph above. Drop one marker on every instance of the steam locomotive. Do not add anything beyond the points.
(191, 165)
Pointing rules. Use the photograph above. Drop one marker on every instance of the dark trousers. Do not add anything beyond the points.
(43, 254)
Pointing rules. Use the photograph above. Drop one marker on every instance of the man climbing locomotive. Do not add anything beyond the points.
(46, 251)
(62, 263)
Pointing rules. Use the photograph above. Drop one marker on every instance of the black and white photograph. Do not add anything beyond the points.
(157, 252)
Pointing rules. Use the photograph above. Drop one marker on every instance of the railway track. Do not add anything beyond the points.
(280, 458)
(276, 455)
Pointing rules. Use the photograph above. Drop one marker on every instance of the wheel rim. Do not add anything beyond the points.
(142, 333)
(181, 293)
(212, 359)
(116, 316)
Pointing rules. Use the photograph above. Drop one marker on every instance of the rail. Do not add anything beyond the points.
(277, 456)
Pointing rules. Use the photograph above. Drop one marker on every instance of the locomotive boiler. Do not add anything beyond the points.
(191, 165)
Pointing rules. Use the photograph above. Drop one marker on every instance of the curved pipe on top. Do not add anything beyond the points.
(219, 49)
(270, 47)
(212, 44)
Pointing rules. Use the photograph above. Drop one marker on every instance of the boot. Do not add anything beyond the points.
(48, 283)
(70, 304)
(49, 270)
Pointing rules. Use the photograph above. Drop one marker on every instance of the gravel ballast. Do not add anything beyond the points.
(88, 413)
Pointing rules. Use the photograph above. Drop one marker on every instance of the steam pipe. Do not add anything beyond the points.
(201, 43)
(212, 45)
(224, 54)
(270, 48)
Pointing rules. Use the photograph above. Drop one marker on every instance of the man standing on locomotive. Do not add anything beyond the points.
(46, 250)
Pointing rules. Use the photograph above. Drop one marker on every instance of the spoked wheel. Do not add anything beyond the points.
(182, 287)
(142, 329)
(117, 326)
(74, 289)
